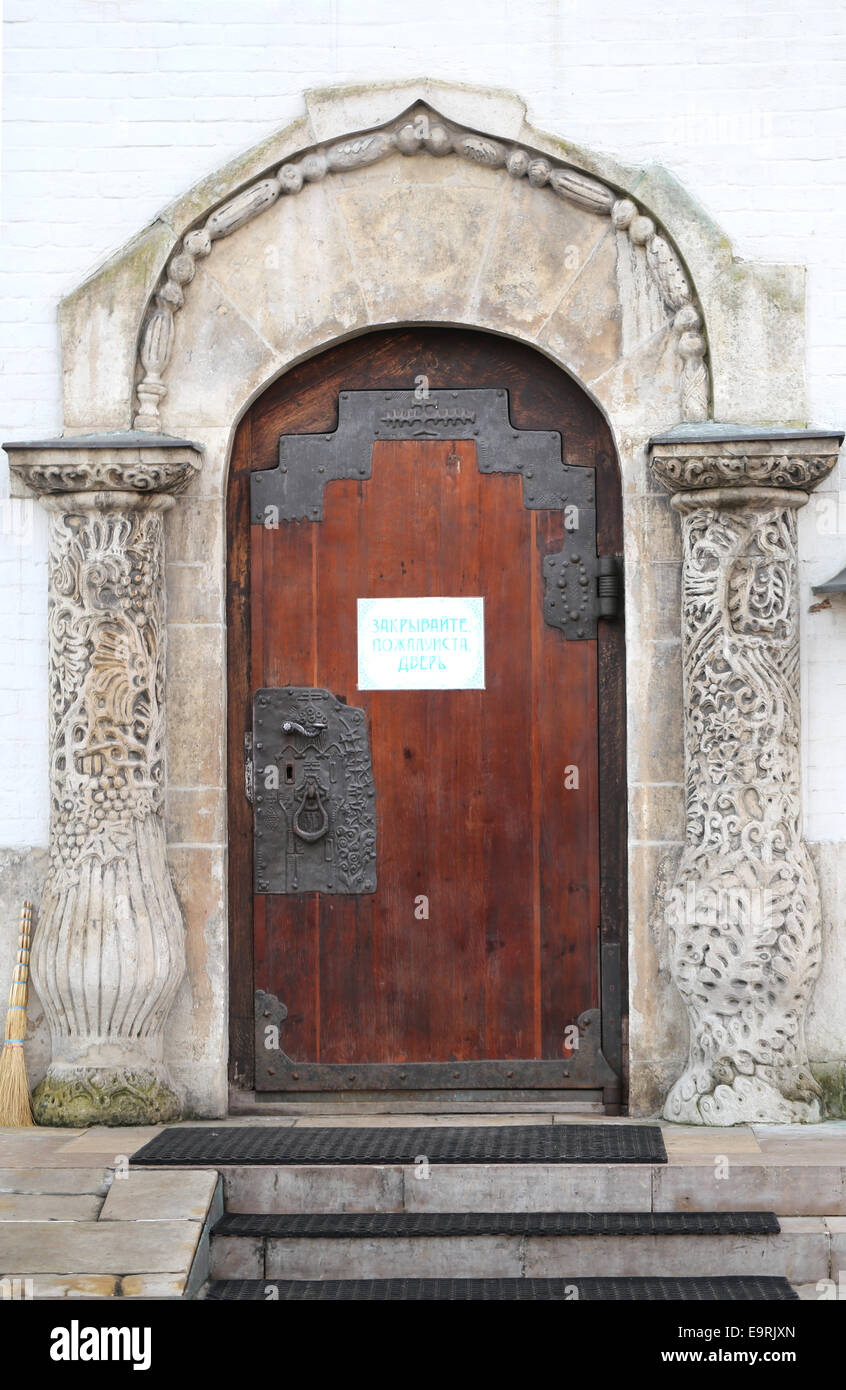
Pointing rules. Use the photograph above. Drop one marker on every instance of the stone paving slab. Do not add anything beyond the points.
(105, 1139)
(787, 1189)
(38, 1132)
(405, 1257)
(160, 1196)
(49, 1207)
(275, 1121)
(814, 1293)
(808, 1144)
(97, 1247)
(53, 1148)
(689, 1143)
(49, 1285)
(56, 1180)
(315, 1189)
(237, 1257)
(273, 1111)
(448, 1187)
(152, 1286)
(800, 1253)
(405, 1121)
(529, 1187)
(783, 1134)
(91, 1287)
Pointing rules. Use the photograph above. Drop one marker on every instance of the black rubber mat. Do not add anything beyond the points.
(395, 1224)
(745, 1288)
(244, 1144)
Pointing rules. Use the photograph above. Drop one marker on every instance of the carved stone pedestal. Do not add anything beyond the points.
(108, 951)
(744, 910)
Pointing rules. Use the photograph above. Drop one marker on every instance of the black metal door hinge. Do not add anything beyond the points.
(580, 587)
(608, 586)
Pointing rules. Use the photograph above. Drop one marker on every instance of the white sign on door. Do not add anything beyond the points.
(421, 644)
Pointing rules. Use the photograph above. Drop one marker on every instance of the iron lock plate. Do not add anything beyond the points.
(314, 801)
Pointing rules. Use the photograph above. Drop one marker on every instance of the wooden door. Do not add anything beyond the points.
(478, 962)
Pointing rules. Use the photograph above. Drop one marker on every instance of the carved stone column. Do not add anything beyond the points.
(744, 909)
(108, 951)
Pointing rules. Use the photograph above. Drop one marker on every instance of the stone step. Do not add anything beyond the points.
(789, 1189)
(518, 1245)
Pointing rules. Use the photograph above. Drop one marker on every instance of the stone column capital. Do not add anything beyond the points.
(128, 462)
(743, 460)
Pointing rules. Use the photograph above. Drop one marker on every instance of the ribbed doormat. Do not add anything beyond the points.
(564, 1143)
(741, 1288)
(354, 1225)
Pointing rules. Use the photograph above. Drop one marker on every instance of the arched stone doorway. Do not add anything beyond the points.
(432, 205)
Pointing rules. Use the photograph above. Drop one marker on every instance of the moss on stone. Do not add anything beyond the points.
(136, 266)
(107, 1096)
(831, 1077)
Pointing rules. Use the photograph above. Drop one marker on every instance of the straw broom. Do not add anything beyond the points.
(15, 1108)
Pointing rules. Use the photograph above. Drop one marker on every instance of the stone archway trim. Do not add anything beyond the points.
(422, 131)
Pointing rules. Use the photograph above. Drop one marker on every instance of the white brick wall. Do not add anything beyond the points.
(112, 107)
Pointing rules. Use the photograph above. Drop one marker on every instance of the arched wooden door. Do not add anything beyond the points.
(426, 727)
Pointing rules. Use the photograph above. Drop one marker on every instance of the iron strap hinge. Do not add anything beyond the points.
(580, 586)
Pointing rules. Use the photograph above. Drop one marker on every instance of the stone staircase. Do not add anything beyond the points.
(509, 1231)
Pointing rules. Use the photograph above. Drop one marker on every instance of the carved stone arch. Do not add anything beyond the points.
(650, 291)
(422, 203)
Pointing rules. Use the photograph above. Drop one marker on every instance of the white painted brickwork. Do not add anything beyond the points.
(111, 109)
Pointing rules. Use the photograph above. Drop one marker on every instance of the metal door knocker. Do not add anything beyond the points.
(311, 819)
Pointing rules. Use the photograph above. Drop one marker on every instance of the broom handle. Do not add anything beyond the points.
(19, 992)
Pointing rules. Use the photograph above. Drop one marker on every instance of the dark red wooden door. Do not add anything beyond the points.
(481, 943)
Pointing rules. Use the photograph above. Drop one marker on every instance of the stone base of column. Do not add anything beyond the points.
(76, 1097)
(746, 1100)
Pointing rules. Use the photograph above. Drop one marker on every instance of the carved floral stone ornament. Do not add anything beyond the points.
(423, 132)
(744, 909)
(133, 461)
(108, 952)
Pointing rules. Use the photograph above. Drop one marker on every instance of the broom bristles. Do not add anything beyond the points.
(15, 1105)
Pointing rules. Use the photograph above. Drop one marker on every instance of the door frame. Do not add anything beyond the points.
(346, 358)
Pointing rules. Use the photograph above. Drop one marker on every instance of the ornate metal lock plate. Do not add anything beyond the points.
(314, 812)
